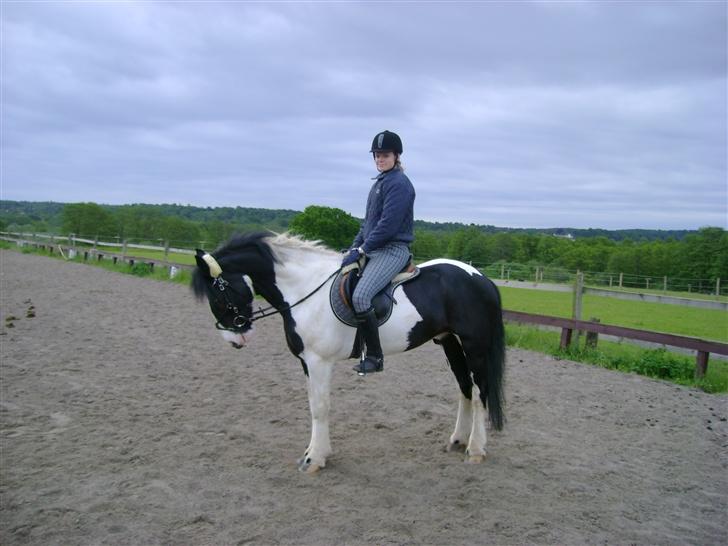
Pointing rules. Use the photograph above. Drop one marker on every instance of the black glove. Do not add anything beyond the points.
(352, 256)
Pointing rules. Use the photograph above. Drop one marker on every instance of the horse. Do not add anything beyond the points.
(449, 302)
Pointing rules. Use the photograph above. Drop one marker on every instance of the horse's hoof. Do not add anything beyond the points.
(455, 447)
(475, 459)
(306, 466)
(312, 469)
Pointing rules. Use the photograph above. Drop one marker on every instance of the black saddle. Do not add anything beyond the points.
(343, 287)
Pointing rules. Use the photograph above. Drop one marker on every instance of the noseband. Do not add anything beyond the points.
(240, 321)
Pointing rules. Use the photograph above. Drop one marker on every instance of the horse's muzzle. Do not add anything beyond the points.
(235, 339)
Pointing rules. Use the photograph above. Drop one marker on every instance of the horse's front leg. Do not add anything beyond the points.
(319, 388)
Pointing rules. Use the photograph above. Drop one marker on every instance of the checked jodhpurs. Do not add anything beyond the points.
(384, 263)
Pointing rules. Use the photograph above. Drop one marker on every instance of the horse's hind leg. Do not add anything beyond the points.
(456, 358)
(476, 363)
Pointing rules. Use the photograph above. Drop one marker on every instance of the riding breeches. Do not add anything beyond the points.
(384, 263)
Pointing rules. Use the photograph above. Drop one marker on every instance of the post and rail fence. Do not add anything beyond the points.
(569, 326)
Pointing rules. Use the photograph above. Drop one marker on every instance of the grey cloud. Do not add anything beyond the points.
(512, 113)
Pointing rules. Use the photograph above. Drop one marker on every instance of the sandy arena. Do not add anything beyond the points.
(125, 419)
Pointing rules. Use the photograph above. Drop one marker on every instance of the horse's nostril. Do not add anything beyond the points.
(236, 345)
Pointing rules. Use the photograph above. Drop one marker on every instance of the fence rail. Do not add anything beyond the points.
(569, 326)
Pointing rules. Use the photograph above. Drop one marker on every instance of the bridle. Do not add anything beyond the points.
(240, 321)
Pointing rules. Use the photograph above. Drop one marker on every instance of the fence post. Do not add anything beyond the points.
(538, 272)
(96, 242)
(565, 338)
(717, 287)
(503, 271)
(577, 302)
(592, 337)
(664, 283)
(166, 249)
(701, 364)
(621, 277)
(123, 251)
(647, 283)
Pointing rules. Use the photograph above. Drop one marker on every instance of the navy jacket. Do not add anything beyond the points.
(390, 212)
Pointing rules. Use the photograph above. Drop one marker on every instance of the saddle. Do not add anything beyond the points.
(342, 288)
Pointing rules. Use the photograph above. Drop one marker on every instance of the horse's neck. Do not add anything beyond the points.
(300, 273)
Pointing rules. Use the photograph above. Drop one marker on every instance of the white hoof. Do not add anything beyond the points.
(475, 459)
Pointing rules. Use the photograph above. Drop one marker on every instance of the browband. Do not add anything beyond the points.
(215, 269)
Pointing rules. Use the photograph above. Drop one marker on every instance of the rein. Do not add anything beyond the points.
(263, 313)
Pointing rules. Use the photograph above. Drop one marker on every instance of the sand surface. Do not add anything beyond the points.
(125, 419)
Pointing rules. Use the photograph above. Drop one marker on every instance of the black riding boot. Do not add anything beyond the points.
(374, 361)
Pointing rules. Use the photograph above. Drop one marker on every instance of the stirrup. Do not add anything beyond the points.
(370, 364)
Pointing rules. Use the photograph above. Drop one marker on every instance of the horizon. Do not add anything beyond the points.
(463, 223)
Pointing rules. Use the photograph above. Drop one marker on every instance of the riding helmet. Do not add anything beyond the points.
(387, 141)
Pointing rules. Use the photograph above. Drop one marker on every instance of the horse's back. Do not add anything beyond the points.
(460, 278)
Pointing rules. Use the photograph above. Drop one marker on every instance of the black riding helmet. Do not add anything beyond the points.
(387, 141)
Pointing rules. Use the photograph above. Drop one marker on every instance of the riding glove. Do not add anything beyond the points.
(351, 257)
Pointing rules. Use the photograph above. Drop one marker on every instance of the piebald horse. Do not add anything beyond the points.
(450, 302)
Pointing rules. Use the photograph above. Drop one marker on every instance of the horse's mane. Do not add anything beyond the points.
(270, 245)
(289, 241)
(239, 243)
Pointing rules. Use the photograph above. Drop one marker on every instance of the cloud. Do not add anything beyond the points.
(517, 114)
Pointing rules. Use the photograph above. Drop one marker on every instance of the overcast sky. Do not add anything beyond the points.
(552, 114)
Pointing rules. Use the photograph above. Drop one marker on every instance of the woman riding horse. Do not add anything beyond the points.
(384, 239)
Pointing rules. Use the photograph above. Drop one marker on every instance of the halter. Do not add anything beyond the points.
(240, 321)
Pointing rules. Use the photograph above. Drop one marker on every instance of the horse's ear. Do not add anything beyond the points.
(202, 264)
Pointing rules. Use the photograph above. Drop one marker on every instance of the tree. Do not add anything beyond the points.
(177, 230)
(426, 245)
(88, 220)
(333, 227)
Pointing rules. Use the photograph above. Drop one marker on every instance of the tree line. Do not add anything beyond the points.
(701, 254)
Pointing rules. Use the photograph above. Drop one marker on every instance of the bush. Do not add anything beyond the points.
(660, 363)
(141, 269)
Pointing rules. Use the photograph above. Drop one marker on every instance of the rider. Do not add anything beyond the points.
(384, 238)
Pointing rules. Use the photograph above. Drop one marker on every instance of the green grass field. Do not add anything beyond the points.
(674, 319)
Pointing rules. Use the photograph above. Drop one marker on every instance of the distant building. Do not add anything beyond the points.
(564, 236)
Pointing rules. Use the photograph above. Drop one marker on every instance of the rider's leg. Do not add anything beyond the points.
(381, 268)
(374, 360)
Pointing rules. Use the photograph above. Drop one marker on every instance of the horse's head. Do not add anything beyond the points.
(230, 296)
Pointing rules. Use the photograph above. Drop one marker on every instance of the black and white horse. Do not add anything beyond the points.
(450, 302)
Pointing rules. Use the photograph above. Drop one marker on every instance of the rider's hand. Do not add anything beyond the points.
(352, 256)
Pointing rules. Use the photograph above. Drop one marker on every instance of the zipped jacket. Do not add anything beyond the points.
(390, 212)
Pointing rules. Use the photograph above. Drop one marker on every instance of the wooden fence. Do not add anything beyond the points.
(569, 326)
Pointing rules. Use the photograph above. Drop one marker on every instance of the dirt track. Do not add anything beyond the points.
(124, 419)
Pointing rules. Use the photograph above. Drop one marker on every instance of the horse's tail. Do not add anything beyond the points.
(495, 356)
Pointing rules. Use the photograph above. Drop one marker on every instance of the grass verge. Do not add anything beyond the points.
(625, 357)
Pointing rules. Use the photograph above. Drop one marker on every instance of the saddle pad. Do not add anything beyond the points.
(346, 314)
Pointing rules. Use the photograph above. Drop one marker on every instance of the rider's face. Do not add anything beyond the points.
(384, 160)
